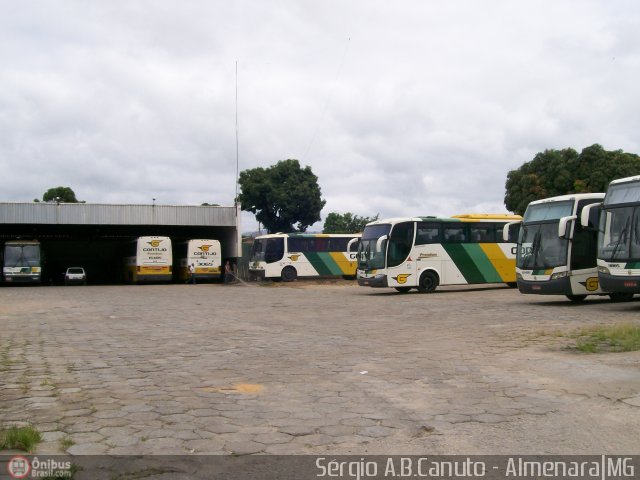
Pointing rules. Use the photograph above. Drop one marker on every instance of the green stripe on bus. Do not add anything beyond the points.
(473, 263)
(632, 265)
(464, 262)
(323, 263)
(483, 263)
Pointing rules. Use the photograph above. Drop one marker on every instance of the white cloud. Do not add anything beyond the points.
(400, 108)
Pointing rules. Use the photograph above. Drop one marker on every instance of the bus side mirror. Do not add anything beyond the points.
(379, 242)
(351, 242)
(509, 230)
(589, 218)
(564, 227)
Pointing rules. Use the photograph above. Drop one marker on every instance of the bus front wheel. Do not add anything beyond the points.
(289, 274)
(428, 282)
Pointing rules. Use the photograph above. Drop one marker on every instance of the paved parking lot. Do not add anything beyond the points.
(312, 368)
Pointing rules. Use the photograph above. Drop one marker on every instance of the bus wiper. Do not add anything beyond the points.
(535, 249)
(620, 238)
(18, 261)
(367, 256)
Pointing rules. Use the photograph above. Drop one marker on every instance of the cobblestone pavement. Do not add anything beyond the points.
(312, 368)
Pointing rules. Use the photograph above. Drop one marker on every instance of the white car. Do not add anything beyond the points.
(75, 275)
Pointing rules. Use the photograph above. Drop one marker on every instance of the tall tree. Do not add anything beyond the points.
(284, 197)
(345, 223)
(60, 194)
(559, 172)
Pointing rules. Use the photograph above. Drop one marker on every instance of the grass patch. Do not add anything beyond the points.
(66, 442)
(20, 438)
(612, 338)
(5, 361)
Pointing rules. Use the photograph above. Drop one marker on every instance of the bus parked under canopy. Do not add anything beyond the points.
(22, 261)
(204, 255)
(148, 259)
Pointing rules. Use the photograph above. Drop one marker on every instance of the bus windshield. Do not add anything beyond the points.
(540, 247)
(268, 250)
(370, 254)
(22, 256)
(540, 212)
(620, 234)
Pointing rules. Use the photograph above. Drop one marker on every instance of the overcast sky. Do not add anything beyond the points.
(400, 108)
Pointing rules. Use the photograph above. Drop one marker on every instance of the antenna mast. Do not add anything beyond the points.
(235, 200)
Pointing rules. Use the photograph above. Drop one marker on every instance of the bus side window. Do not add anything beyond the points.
(454, 234)
(482, 233)
(427, 233)
(322, 244)
(338, 244)
(274, 250)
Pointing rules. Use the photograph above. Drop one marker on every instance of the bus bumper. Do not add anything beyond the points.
(377, 281)
(559, 286)
(618, 283)
(22, 279)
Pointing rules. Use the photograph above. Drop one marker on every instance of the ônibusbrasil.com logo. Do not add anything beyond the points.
(21, 467)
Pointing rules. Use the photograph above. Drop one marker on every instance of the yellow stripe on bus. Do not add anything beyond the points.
(347, 267)
(506, 267)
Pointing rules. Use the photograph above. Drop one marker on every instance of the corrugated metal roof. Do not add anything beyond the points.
(103, 214)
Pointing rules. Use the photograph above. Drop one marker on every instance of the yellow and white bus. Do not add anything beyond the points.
(288, 256)
(22, 261)
(424, 252)
(148, 259)
(204, 255)
(556, 250)
(619, 238)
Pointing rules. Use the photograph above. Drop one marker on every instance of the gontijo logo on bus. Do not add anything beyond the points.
(402, 278)
(591, 284)
(204, 250)
(155, 244)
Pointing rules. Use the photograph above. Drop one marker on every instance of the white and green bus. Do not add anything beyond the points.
(425, 252)
(556, 250)
(205, 255)
(619, 238)
(287, 256)
(22, 261)
(148, 259)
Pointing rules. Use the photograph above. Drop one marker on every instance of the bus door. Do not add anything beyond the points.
(584, 250)
(428, 253)
(401, 267)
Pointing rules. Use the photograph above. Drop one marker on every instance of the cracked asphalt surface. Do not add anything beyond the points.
(312, 367)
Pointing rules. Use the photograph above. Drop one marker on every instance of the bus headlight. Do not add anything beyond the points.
(558, 275)
(519, 277)
(604, 270)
